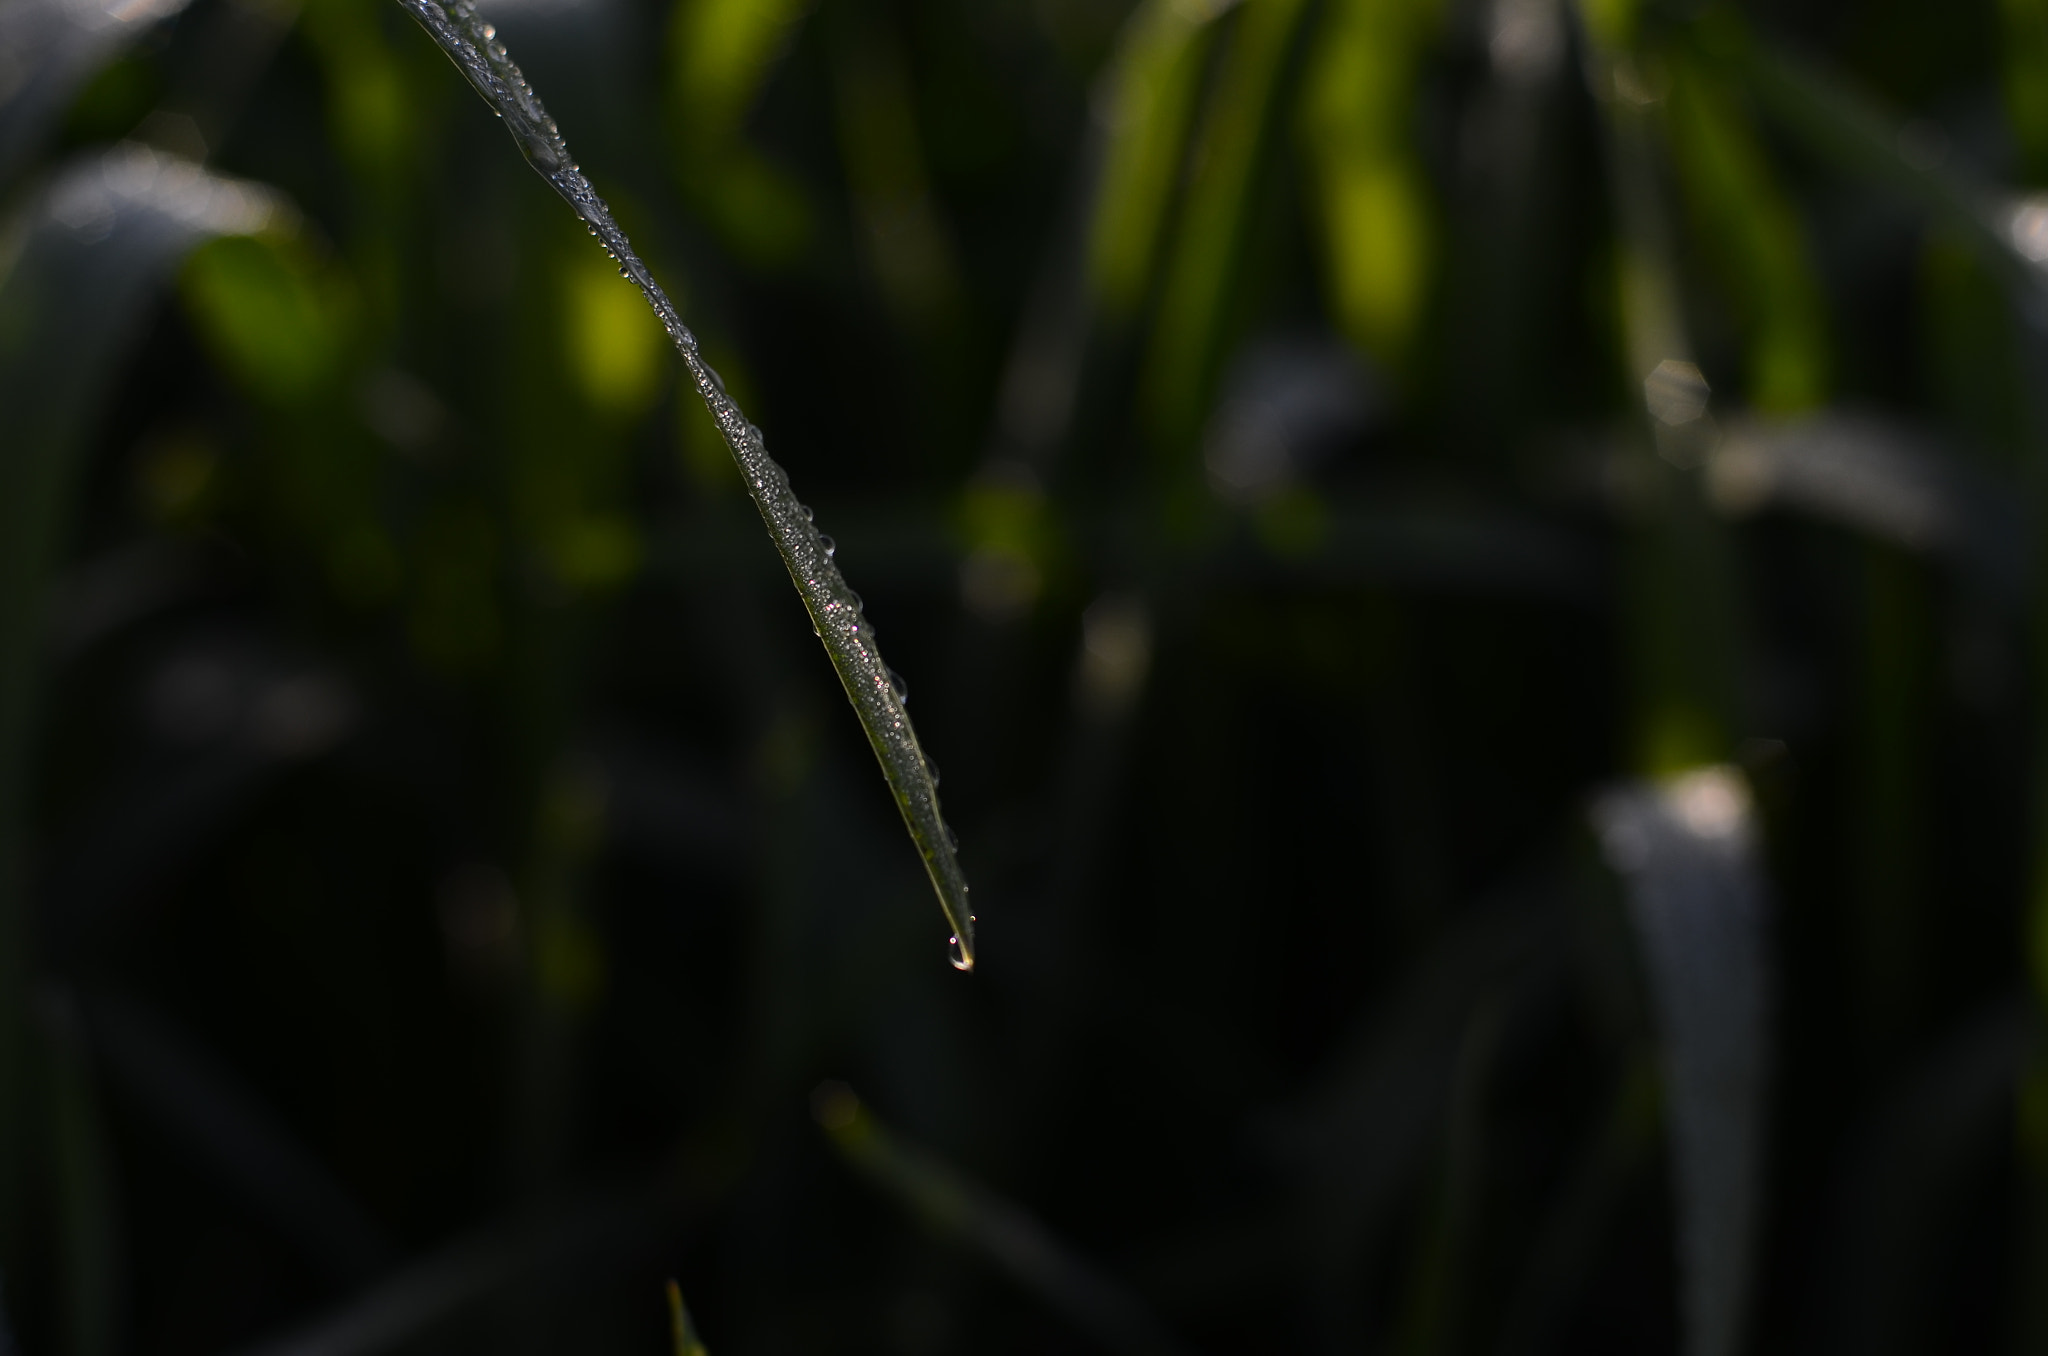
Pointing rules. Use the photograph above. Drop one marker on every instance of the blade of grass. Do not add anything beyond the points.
(1146, 102)
(958, 1208)
(1438, 1301)
(682, 1332)
(1755, 235)
(722, 54)
(835, 609)
(2025, 72)
(545, 1249)
(1907, 1172)
(1357, 1141)
(1203, 263)
(91, 1264)
(48, 48)
(1687, 850)
(1358, 104)
(1883, 478)
(77, 273)
(1681, 604)
(182, 1090)
(1854, 135)
(1567, 1245)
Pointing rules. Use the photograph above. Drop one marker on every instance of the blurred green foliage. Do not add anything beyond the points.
(1305, 454)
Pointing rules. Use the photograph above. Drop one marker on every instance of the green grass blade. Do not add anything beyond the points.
(1756, 236)
(85, 1186)
(682, 1332)
(567, 1245)
(1211, 236)
(955, 1207)
(1358, 106)
(835, 609)
(723, 52)
(1855, 136)
(1149, 95)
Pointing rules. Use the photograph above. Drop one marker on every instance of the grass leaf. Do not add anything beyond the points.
(835, 609)
(955, 1207)
(48, 48)
(1687, 850)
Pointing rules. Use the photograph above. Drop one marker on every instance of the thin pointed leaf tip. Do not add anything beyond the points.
(472, 44)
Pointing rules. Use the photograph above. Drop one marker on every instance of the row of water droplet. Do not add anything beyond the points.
(837, 614)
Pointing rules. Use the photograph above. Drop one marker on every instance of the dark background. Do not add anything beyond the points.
(445, 892)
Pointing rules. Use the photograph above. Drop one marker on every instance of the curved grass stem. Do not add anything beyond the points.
(835, 609)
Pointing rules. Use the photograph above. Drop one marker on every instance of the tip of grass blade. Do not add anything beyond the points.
(682, 1331)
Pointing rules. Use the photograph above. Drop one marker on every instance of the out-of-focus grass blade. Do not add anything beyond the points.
(724, 50)
(1857, 137)
(910, 248)
(556, 1249)
(2025, 49)
(88, 1209)
(1413, 541)
(182, 1090)
(1681, 601)
(1909, 1169)
(1146, 101)
(1359, 1138)
(1203, 262)
(87, 261)
(1438, 1301)
(1745, 219)
(1567, 1245)
(955, 1207)
(1358, 103)
(1686, 849)
(84, 262)
(270, 714)
(48, 48)
(835, 609)
(721, 55)
(682, 1332)
(1883, 478)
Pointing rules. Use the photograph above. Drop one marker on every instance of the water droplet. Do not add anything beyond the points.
(962, 958)
(831, 547)
(902, 691)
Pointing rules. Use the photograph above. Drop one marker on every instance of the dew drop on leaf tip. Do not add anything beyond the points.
(962, 959)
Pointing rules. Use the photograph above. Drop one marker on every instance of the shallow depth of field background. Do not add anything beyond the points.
(1301, 455)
